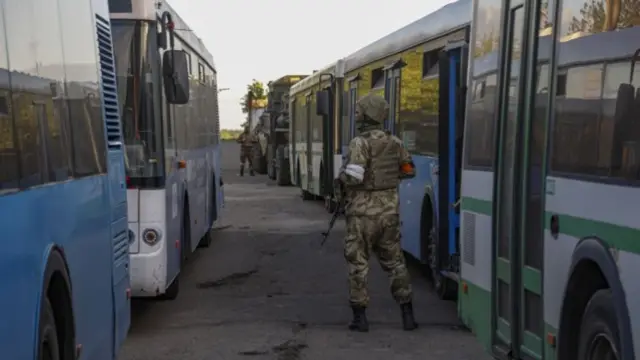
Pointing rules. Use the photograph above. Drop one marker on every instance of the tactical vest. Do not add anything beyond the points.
(383, 167)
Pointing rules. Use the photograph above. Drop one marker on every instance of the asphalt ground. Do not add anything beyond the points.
(265, 289)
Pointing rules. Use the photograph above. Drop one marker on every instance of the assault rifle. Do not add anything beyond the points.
(336, 213)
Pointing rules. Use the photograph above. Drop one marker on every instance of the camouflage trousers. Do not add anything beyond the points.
(245, 156)
(380, 235)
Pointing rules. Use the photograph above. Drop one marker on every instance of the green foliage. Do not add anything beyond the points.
(259, 91)
(229, 134)
(600, 15)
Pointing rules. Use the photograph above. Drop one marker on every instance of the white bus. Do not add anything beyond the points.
(550, 227)
(171, 155)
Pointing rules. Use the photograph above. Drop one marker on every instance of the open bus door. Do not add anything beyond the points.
(445, 250)
(325, 109)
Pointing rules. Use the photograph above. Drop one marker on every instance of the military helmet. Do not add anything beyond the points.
(372, 108)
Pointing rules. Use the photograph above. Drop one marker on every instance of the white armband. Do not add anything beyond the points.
(355, 171)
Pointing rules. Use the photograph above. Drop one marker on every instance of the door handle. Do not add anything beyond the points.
(554, 226)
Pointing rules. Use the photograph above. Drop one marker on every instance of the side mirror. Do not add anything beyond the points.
(175, 73)
(322, 103)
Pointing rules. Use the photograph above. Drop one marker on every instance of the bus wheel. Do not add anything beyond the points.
(599, 338)
(443, 286)
(48, 348)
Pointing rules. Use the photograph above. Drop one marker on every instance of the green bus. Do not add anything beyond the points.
(550, 229)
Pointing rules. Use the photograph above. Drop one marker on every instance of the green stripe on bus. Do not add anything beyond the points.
(476, 205)
(620, 237)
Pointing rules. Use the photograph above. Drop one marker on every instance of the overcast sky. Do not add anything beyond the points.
(266, 39)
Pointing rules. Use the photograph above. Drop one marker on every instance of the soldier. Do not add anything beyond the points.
(246, 141)
(376, 163)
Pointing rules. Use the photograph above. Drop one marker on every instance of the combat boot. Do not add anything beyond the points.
(408, 321)
(241, 170)
(251, 173)
(359, 322)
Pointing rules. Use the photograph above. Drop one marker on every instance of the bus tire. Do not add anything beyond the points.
(48, 346)
(599, 334)
(205, 242)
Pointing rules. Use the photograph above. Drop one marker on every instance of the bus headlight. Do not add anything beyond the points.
(151, 236)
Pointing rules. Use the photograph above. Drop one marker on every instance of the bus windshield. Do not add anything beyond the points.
(137, 67)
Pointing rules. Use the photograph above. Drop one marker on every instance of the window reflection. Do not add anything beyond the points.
(51, 124)
(481, 107)
(82, 88)
(9, 161)
(596, 131)
(27, 89)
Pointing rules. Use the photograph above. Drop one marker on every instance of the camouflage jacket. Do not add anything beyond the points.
(360, 202)
(246, 140)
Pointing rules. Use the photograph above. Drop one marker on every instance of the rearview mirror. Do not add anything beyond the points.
(322, 103)
(175, 73)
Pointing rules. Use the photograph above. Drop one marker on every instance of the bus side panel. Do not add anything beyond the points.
(412, 193)
(150, 267)
(75, 216)
(173, 214)
(197, 189)
(475, 306)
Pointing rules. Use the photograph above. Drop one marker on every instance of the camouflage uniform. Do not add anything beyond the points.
(246, 141)
(370, 177)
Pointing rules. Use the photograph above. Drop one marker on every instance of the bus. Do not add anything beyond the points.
(549, 227)
(171, 143)
(277, 154)
(416, 68)
(313, 129)
(421, 70)
(65, 292)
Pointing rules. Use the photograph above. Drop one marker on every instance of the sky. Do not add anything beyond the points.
(267, 39)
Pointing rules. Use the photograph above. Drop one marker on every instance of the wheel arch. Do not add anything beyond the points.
(427, 217)
(592, 254)
(56, 285)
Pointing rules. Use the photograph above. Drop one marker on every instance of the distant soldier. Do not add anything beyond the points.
(376, 163)
(246, 141)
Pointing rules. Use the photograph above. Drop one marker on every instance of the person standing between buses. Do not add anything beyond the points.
(370, 176)
(246, 141)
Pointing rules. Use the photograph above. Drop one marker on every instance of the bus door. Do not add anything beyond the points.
(325, 111)
(353, 98)
(517, 309)
(391, 93)
(452, 85)
(309, 152)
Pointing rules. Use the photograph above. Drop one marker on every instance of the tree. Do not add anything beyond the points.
(229, 134)
(591, 19)
(606, 15)
(259, 96)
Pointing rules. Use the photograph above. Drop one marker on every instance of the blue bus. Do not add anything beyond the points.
(65, 292)
(420, 70)
(171, 141)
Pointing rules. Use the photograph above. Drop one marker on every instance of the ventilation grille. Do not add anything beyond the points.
(121, 246)
(108, 84)
(469, 238)
(216, 113)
